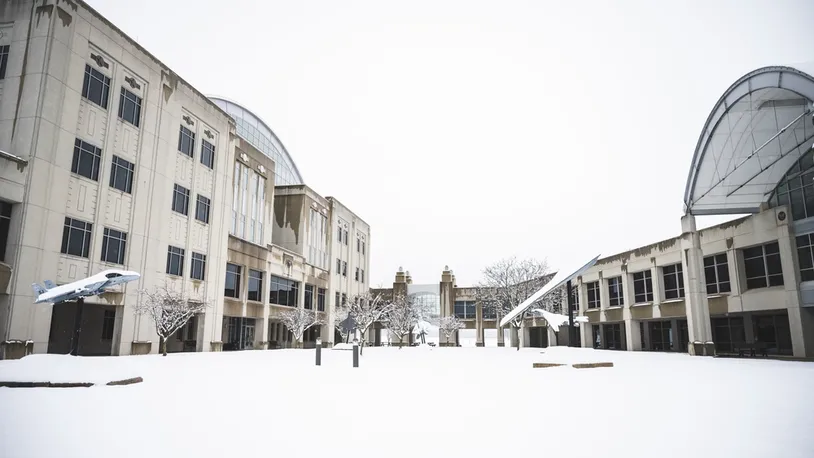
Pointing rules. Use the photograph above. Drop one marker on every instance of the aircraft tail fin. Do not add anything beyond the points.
(49, 284)
(38, 289)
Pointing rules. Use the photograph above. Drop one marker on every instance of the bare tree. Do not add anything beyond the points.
(450, 324)
(298, 321)
(366, 309)
(340, 315)
(168, 309)
(509, 282)
(402, 317)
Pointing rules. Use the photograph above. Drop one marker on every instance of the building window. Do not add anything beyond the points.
(86, 158)
(233, 280)
(673, 281)
(186, 141)
(796, 189)
(716, 272)
(5, 224)
(357, 274)
(108, 323)
(96, 86)
(198, 266)
(358, 245)
(180, 200)
(762, 266)
(121, 175)
(130, 107)
(3, 60)
(344, 299)
(362, 276)
(283, 291)
(464, 309)
(318, 240)
(346, 237)
(344, 268)
(202, 209)
(363, 247)
(805, 256)
(613, 336)
(175, 261)
(207, 154)
(255, 285)
(643, 287)
(615, 293)
(76, 236)
(113, 244)
(321, 299)
(593, 295)
(336, 299)
(338, 266)
(309, 296)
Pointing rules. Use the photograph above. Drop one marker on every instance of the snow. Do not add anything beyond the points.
(278, 403)
(65, 369)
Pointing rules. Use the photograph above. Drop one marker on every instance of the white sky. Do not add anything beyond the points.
(467, 131)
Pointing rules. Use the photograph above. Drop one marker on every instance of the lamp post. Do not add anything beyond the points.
(319, 351)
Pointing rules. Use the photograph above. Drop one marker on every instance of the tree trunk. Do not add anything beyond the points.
(362, 342)
(164, 347)
(401, 341)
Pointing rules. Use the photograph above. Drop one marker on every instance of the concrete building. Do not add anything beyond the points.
(110, 159)
(742, 285)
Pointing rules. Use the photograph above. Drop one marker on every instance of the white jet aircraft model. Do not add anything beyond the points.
(91, 286)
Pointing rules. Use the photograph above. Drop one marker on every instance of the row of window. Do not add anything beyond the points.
(176, 259)
(466, 310)
(342, 269)
(761, 265)
(186, 145)
(77, 236)
(3, 60)
(180, 204)
(282, 291)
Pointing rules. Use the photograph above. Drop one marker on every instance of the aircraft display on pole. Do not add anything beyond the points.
(90, 286)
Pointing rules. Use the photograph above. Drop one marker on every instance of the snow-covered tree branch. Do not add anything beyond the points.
(340, 315)
(402, 317)
(448, 326)
(509, 282)
(366, 309)
(298, 321)
(168, 309)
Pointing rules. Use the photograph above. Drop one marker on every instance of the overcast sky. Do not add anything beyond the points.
(468, 131)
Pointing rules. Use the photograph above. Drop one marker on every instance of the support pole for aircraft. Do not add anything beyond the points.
(570, 314)
(77, 328)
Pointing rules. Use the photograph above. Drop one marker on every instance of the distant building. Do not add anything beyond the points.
(110, 159)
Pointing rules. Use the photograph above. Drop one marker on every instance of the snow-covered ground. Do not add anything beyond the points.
(426, 402)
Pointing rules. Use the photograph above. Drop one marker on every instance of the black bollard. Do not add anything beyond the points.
(319, 352)
(355, 353)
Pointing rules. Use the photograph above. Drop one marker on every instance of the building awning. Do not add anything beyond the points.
(560, 279)
(759, 127)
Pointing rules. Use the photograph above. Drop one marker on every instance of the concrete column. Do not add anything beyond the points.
(584, 328)
(657, 281)
(633, 336)
(552, 336)
(261, 330)
(802, 335)
(604, 300)
(479, 337)
(500, 337)
(447, 292)
(696, 304)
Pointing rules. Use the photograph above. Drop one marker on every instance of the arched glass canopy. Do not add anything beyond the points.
(756, 132)
(252, 129)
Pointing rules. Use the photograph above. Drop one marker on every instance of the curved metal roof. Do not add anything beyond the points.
(254, 130)
(758, 128)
